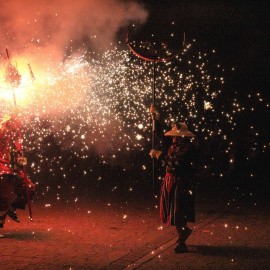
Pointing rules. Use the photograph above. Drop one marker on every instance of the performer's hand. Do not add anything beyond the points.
(21, 161)
(154, 112)
(155, 153)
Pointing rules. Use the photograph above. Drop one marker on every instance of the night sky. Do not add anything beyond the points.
(239, 30)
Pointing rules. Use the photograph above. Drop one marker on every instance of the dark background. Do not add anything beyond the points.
(238, 31)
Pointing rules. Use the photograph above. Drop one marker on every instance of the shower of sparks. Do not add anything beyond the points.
(93, 105)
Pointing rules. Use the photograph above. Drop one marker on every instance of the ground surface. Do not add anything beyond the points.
(109, 232)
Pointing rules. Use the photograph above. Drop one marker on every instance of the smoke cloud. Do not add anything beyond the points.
(42, 33)
(59, 23)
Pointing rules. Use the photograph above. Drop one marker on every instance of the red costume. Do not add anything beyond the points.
(12, 179)
(177, 205)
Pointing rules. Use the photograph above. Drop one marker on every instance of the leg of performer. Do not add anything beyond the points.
(6, 194)
(183, 233)
(1, 219)
(20, 200)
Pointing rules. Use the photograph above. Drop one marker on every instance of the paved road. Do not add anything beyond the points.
(231, 232)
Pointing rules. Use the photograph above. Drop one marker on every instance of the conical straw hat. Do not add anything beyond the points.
(179, 129)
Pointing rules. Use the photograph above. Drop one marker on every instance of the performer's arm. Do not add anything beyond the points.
(21, 161)
(161, 127)
(172, 161)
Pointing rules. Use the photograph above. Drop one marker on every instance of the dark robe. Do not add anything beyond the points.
(177, 204)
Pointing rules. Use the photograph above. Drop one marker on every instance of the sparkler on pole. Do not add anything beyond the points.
(14, 79)
(154, 60)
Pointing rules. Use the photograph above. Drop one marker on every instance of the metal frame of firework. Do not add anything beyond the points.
(15, 79)
(157, 60)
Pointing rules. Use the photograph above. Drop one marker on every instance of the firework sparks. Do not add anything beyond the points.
(102, 103)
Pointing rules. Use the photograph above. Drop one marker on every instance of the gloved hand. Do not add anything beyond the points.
(155, 153)
(21, 161)
(154, 112)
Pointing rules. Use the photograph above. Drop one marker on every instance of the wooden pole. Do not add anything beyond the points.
(24, 168)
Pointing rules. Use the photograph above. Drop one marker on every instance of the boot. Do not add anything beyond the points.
(13, 216)
(184, 236)
(181, 248)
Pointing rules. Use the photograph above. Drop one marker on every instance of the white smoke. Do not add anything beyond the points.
(55, 24)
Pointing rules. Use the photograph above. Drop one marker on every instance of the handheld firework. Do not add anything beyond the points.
(154, 58)
(14, 78)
